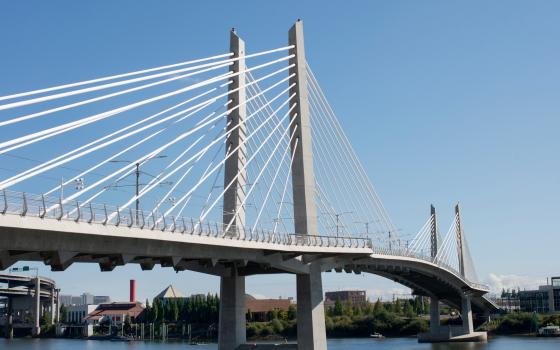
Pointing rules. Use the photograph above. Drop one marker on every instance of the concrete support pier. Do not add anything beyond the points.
(462, 333)
(434, 314)
(311, 332)
(232, 327)
(10, 320)
(37, 313)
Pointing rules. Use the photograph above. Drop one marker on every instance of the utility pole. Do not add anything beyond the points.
(137, 190)
(137, 184)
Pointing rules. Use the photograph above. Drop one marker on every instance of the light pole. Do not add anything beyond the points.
(337, 219)
(137, 202)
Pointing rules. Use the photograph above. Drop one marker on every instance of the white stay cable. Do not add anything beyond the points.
(104, 97)
(94, 118)
(30, 173)
(69, 156)
(182, 154)
(216, 177)
(210, 145)
(196, 160)
(340, 163)
(85, 172)
(252, 156)
(333, 174)
(187, 195)
(351, 152)
(256, 180)
(113, 77)
(63, 128)
(214, 65)
(285, 189)
(420, 235)
(118, 76)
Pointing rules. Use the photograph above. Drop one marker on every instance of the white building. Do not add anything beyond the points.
(77, 313)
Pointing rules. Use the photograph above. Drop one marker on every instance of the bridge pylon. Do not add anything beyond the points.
(310, 309)
(232, 327)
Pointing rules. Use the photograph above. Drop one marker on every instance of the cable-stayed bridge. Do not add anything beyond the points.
(231, 165)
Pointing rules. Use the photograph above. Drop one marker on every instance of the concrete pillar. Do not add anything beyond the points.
(232, 328)
(434, 315)
(53, 313)
(10, 319)
(57, 305)
(37, 313)
(303, 180)
(311, 311)
(235, 194)
(459, 241)
(433, 233)
(466, 314)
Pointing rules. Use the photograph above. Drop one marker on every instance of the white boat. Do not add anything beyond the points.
(376, 335)
(549, 331)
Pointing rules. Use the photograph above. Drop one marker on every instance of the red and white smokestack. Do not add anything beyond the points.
(132, 291)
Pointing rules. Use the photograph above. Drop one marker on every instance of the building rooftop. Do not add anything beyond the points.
(117, 308)
(170, 292)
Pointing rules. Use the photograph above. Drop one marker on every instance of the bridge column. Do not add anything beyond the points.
(310, 311)
(53, 314)
(10, 319)
(434, 315)
(37, 313)
(232, 328)
(466, 314)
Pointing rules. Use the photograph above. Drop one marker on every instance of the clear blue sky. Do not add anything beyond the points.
(444, 101)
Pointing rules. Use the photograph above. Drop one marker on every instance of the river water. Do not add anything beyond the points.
(495, 343)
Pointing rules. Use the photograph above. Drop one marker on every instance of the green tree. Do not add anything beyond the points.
(63, 314)
(408, 310)
(156, 315)
(292, 312)
(337, 309)
(397, 307)
(272, 315)
(377, 307)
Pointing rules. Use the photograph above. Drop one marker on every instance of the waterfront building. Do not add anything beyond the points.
(116, 313)
(354, 297)
(65, 299)
(76, 314)
(87, 299)
(545, 299)
(260, 308)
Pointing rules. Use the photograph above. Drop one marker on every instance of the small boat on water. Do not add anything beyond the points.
(549, 331)
(376, 335)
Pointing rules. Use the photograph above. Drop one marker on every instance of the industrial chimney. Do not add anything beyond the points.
(132, 291)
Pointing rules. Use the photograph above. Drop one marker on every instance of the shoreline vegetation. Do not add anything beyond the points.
(197, 321)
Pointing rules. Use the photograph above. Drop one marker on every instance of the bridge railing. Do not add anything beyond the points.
(405, 252)
(46, 207)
